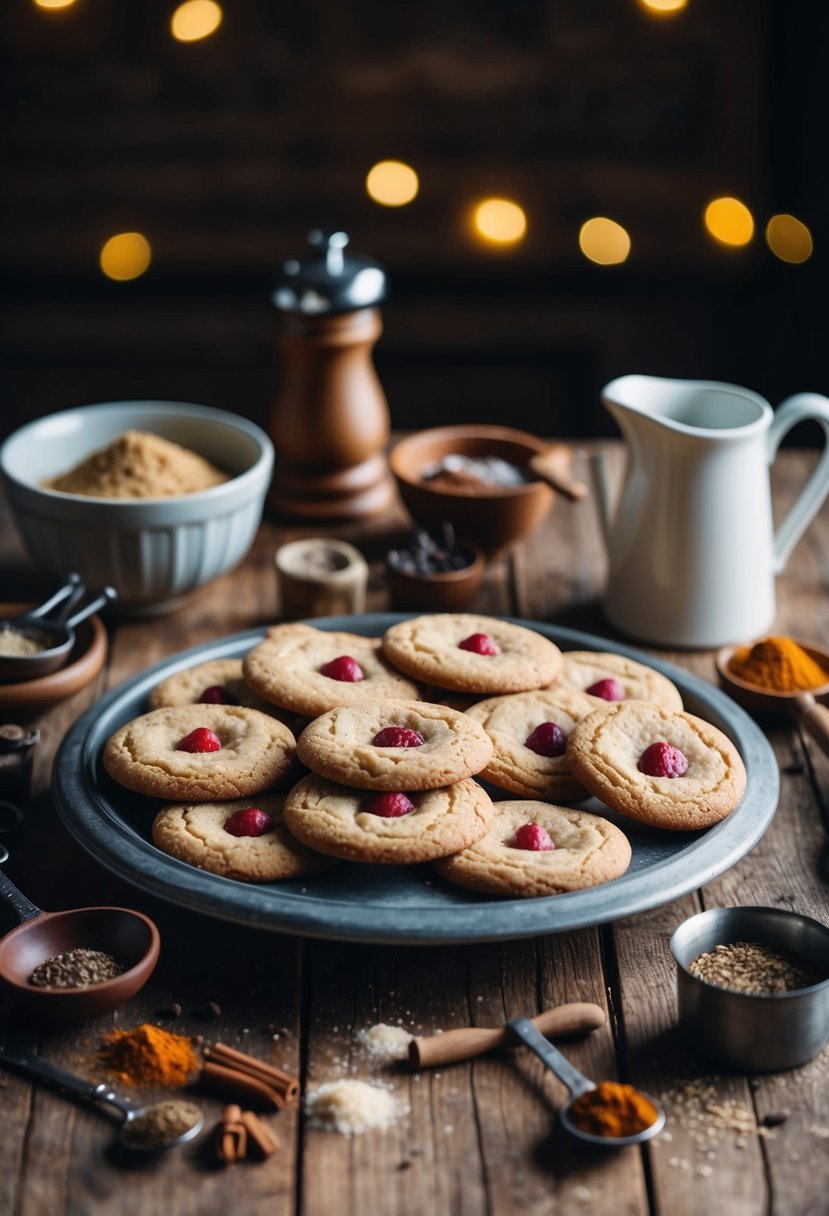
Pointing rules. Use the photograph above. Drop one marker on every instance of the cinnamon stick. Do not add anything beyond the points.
(241, 1085)
(230, 1057)
(231, 1136)
(260, 1135)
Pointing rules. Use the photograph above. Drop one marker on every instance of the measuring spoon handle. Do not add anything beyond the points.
(107, 596)
(44, 1070)
(24, 908)
(550, 1056)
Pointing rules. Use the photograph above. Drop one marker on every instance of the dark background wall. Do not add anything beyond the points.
(224, 152)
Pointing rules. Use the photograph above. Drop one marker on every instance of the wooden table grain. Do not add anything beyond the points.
(480, 1139)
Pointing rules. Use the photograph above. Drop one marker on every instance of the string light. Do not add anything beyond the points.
(195, 19)
(789, 239)
(729, 221)
(664, 6)
(604, 241)
(54, 3)
(500, 221)
(392, 183)
(125, 256)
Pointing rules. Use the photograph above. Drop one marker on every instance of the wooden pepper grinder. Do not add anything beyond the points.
(330, 419)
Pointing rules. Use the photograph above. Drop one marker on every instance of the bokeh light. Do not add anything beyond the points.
(392, 183)
(195, 19)
(54, 3)
(125, 256)
(729, 221)
(664, 6)
(604, 241)
(500, 221)
(789, 239)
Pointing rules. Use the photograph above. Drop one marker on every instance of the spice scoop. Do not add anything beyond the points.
(54, 637)
(806, 706)
(580, 1085)
(144, 1128)
(131, 938)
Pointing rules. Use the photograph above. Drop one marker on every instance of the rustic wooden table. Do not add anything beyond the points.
(481, 1138)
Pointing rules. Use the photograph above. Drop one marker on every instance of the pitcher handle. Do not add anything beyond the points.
(796, 409)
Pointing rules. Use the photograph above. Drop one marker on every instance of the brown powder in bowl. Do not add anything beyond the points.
(138, 464)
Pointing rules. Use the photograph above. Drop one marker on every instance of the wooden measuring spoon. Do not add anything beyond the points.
(554, 466)
(467, 1042)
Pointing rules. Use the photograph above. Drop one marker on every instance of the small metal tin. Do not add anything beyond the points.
(753, 1032)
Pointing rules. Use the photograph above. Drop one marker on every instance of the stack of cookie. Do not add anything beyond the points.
(393, 757)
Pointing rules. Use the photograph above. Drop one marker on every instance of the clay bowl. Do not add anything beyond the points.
(757, 700)
(130, 937)
(452, 591)
(493, 520)
(28, 698)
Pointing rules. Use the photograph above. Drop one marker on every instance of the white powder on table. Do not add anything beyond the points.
(352, 1107)
(385, 1043)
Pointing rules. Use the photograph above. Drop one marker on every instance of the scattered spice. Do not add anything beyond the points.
(17, 645)
(613, 1109)
(750, 967)
(171, 1011)
(147, 1055)
(385, 1043)
(161, 1123)
(78, 968)
(352, 1107)
(778, 664)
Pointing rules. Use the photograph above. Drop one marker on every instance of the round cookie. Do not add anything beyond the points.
(510, 721)
(582, 669)
(428, 649)
(330, 818)
(605, 749)
(195, 833)
(186, 687)
(257, 753)
(588, 850)
(285, 670)
(338, 746)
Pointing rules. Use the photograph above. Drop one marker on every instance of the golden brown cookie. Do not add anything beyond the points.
(529, 732)
(310, 671)
(474, 654)
(584, 669)
(515, 856)
(413, 827)
(670, 770)
(196, 833)
(151, 755)
(221, 679)
(376, 747)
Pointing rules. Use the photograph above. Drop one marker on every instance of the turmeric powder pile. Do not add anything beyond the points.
(778, 664)
(613, 1110)
(147, 1055)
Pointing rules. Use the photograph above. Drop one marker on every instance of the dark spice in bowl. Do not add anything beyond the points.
(435, 552)
(78, 968)
(751, 967)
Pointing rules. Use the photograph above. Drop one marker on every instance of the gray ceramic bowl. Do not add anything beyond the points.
(748, 1032)
(155, 552)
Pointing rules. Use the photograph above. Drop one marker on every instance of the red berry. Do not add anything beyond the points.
(663, 760)
(249, 821)
(200, 740)
(548, 739)
(534, 837)
(389, 806)
(608, 690)
(343, 668)
(479, 643)
(398, 736)
(217, 694)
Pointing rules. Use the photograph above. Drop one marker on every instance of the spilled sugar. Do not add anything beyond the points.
(352, 1107)
(385, 1043)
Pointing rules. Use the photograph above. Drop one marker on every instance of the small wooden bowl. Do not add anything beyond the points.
(759, 700)
(29, 698)
(493, 520)
(452, 591)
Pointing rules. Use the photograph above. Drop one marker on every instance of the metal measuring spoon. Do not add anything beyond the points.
(58, 637)
(68, 1083)
(578, 1084)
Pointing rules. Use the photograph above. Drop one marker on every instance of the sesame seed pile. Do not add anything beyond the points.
(750, 967)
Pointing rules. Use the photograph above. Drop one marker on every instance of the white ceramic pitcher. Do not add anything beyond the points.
(693, 553)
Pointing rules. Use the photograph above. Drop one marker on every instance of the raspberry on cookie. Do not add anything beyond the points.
(536, 848)
(612, 677)
(670, 770)
(394, 745)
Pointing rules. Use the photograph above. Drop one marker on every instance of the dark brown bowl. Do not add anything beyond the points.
(452, 591)
(758, 700)
(130, 937)
(494, 520)
(28, 698)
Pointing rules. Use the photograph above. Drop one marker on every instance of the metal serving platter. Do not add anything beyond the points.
(406, 905)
